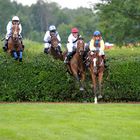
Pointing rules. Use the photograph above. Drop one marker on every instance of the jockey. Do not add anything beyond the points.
(15, 20)
(97, 43)
(47, 39)
(72, 44)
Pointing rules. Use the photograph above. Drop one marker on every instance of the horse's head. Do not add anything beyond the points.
(96, 60)
(54, 42)
(80, 46)
(15, 31)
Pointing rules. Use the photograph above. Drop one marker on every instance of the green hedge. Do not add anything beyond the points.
(123, 83)
(41, 78)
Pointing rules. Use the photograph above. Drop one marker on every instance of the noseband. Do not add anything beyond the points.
(80, 47)
(15, 34)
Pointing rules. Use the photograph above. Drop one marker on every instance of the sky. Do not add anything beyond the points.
(72, 4)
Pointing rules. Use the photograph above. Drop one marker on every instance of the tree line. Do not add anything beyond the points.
(117, 20)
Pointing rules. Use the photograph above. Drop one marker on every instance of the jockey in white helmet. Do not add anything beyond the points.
(47, 38)
(15, 20)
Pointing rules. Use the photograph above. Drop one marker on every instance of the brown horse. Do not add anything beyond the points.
(14, 43)
(96, 68)
(55, 50)
(76, 65)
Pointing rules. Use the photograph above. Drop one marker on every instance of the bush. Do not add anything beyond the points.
(41, 78)
(123, 78)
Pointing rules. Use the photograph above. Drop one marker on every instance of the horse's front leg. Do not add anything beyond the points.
(83, 75)
(100, 79)
(76, 75)
(74, 69)
(94, 86)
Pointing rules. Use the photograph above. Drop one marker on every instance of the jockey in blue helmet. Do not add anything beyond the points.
(97, 43)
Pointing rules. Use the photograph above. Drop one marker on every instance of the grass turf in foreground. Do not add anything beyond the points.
(69, 121)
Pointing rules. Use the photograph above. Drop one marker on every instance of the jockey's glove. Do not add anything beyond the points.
(91, 52)
(49, 41)
(101, 52)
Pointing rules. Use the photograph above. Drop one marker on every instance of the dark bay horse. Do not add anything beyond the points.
(14, 43)
(55, 50)
(96, 68)
(76, 65)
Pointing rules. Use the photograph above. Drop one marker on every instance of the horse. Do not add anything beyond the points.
(14, 43)
(96, 69)
(54, 49)
(76, 65)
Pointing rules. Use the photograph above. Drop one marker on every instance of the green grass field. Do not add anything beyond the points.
(44, 121)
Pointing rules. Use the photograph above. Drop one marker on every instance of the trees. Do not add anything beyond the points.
(119, 20)
(37, 18)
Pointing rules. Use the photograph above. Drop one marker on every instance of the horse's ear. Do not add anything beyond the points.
(81, 38)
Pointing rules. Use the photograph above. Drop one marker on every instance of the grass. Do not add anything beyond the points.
(126, 53)
(33, 48)
(42, 121)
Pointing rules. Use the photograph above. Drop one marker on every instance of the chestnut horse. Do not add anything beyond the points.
(14, 43)
(96, 68)
(54, 50)
(76, 65)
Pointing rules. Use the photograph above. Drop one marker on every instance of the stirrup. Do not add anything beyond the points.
(66, 61)
(4, 49)
(87, 64)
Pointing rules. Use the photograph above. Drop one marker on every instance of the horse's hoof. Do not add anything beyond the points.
(95, 100)
(81, 89)
(20, 60)
(100, 96)
(84, 101)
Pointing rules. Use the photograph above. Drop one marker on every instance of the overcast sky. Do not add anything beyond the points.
(63, 3)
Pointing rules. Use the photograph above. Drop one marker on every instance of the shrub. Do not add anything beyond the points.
(41, 78)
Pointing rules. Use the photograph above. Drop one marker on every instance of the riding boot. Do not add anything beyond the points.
(46, 50)
(59, 49)
(68, 57)
(5, 45)
(105, 64)
(87, 62)
(23, 46)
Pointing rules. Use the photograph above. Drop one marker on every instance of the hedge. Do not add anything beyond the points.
(123, 83)
(41, 78)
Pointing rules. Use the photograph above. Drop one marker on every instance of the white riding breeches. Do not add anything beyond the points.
(71, 47)
(101, 52)
(10, 34)
(48, 45)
